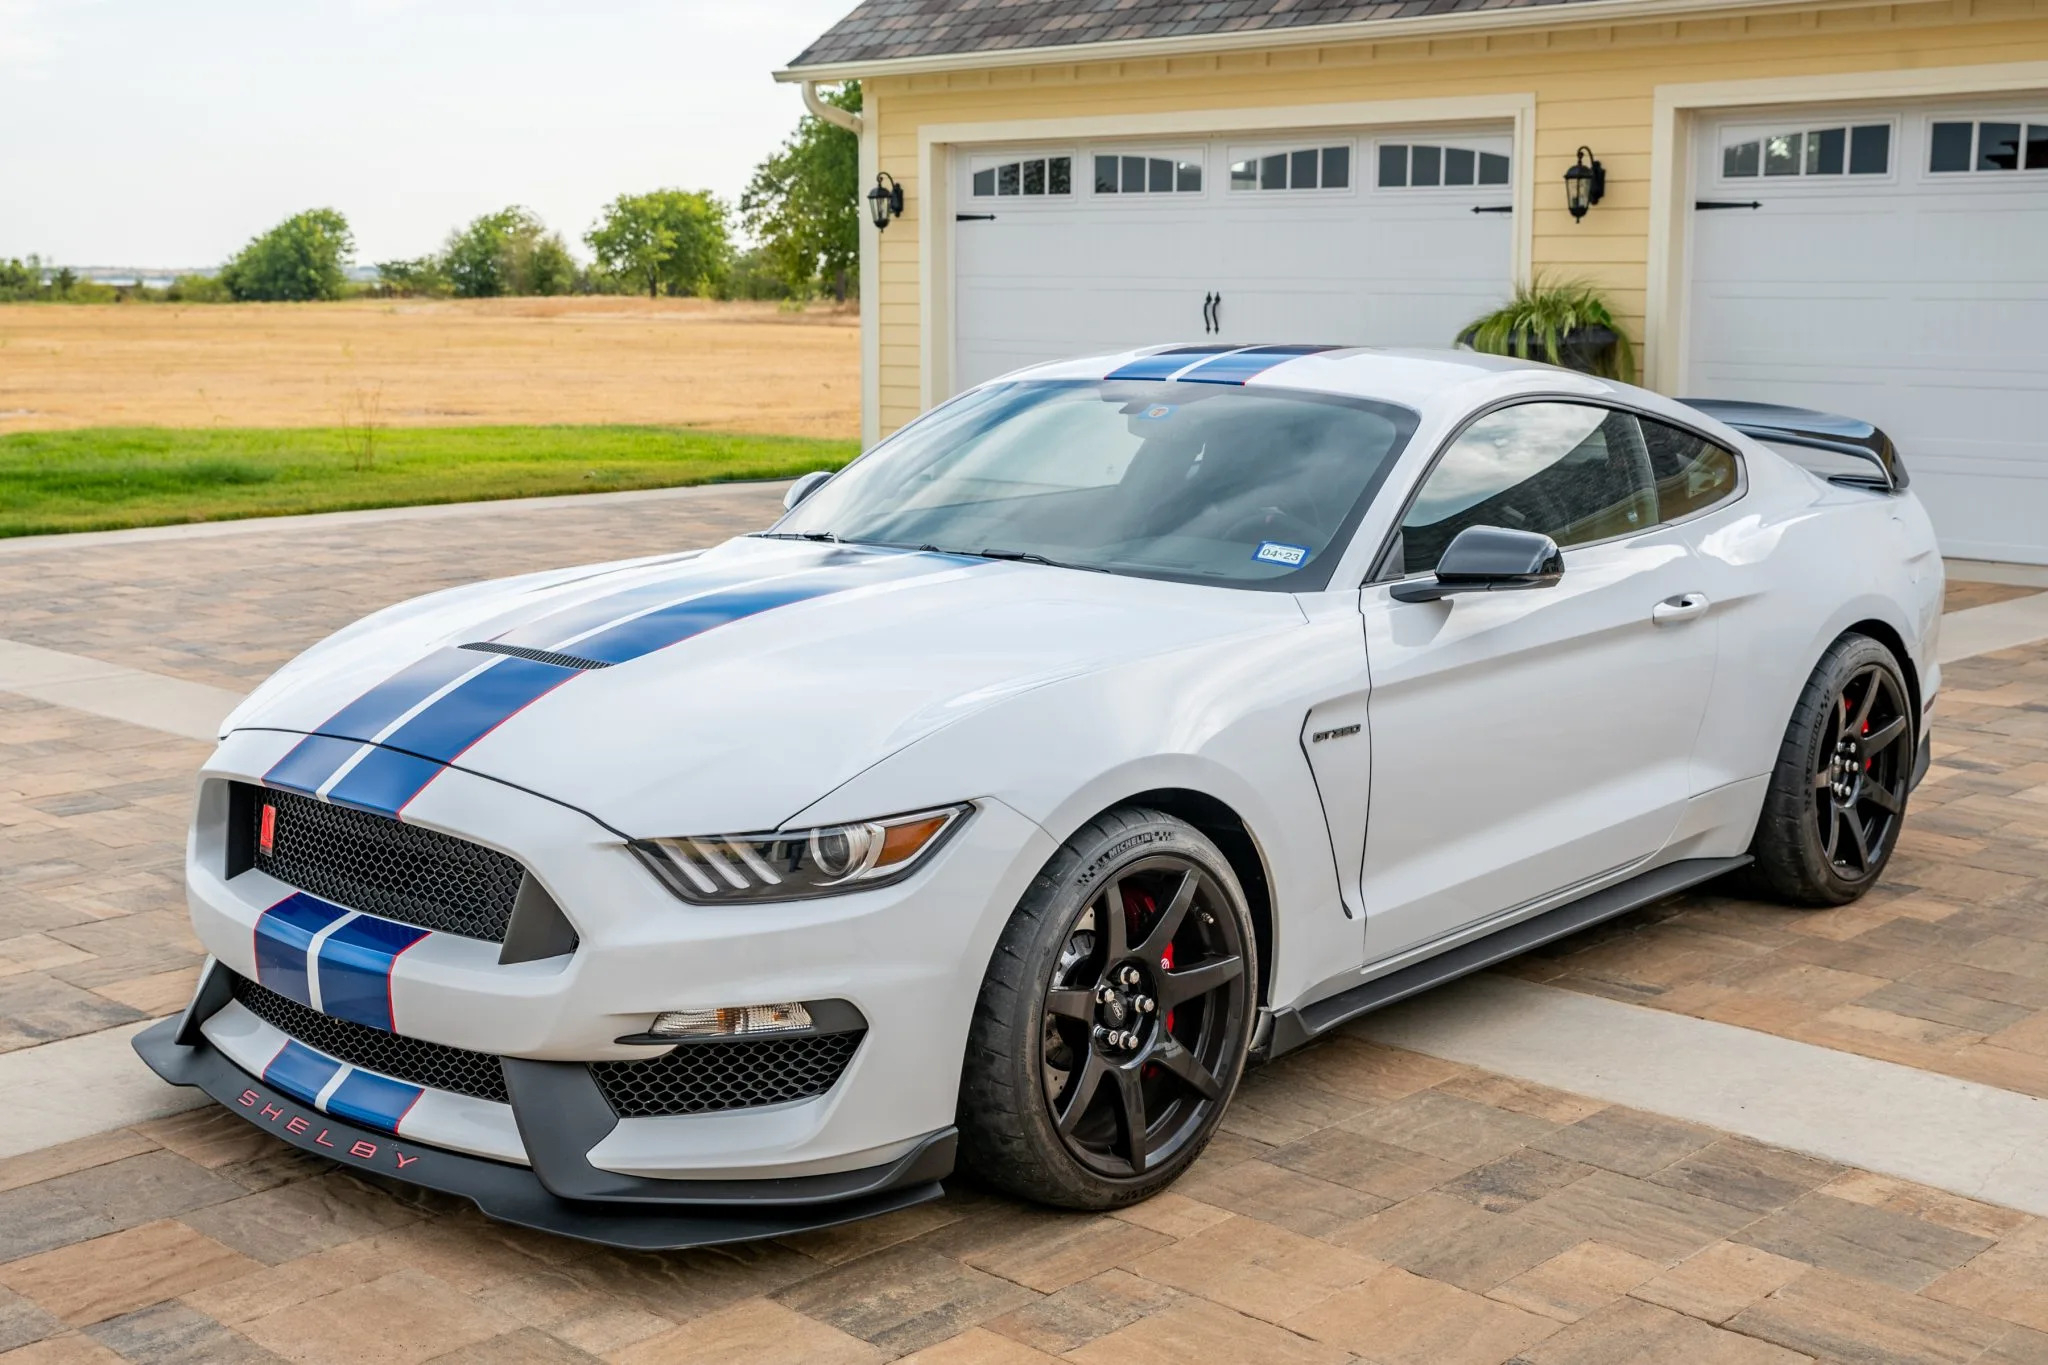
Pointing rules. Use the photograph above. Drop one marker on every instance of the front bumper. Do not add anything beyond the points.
(908, 957)
(560, 1114)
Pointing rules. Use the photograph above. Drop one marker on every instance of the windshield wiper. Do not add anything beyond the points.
(826, 536)
(1012, 556)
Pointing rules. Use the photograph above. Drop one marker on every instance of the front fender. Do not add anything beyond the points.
(1224, 723)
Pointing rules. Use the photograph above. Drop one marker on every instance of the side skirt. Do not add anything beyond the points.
(1291, 1028)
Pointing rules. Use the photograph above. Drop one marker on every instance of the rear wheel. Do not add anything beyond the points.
(1838, 793)
(1113, 1023)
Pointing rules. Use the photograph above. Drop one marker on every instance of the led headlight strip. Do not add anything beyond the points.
(796, 864)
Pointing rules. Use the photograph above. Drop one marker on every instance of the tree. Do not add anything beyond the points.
(679, 241)
(507, 252)
(299, 259)
(803, 205)
(420, 277)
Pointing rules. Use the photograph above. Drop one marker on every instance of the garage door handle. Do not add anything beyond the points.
(1729, 204)
(1686, 606)
(1493, 208)
(974, 217)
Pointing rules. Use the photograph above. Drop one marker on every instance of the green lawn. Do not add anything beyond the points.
(107, 477)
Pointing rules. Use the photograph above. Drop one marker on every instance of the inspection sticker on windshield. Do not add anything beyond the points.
(1158, 412)
(1274, 552)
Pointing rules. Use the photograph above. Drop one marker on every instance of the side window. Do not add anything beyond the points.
(1692, 472)
(1573, 472)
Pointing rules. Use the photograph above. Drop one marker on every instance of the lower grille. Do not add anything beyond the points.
(434, 1065)
(700, 1077)
(696, 1078)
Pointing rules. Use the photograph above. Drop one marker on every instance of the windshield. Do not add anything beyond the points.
(1204, 483)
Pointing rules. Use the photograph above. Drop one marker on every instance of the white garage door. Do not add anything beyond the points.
(1358, 239)
(1895, 269)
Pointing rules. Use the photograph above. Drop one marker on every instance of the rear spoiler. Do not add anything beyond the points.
(1877, 464)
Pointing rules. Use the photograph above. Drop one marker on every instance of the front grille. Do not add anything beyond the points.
(700, 1077)
(434, 1065)
(376, 865)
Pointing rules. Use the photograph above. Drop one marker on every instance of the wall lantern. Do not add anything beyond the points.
(885, 200)
(1584, 184)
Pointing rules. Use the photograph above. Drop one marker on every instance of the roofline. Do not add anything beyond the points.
(1303, 35)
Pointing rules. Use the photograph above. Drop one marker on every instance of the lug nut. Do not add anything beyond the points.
(1145, 1004)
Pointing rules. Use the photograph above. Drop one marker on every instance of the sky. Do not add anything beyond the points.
(161, 134)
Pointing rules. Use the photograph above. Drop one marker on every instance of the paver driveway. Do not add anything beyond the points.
(1363, 1203)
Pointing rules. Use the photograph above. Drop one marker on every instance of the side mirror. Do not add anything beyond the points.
(804, 487)
(1488, 559)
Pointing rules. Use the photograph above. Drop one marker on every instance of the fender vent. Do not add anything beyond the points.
(539, 656)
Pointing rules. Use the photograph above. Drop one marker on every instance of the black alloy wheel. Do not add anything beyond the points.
(1837, 795)
(1862, 771)
(1143, 1010)
(1115, 1017)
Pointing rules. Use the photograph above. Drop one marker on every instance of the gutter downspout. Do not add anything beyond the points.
(831, 113)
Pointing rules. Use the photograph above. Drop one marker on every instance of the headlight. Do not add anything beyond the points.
(787, 865)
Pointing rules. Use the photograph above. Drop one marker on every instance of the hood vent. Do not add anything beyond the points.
(539, 656)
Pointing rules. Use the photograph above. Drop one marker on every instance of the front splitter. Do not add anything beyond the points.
(511, 1194)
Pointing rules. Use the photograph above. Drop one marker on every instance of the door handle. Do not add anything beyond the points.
(1687, 606)
(1208, 302)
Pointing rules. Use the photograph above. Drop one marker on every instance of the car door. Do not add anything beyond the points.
(1528, 743)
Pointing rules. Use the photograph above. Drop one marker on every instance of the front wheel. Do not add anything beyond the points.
(1837, 796)
(1114, 1020)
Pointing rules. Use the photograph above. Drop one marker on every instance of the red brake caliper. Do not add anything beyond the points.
(1166, 964)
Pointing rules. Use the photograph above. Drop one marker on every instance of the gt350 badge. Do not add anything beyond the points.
(1340, 732)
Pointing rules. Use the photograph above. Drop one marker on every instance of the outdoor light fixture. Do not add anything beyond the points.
(1584, 183)
(885, 200)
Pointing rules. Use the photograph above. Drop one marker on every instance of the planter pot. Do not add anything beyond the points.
(1582, 348)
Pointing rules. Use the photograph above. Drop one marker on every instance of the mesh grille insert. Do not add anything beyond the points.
(434, 1065)
(379, 866)
(700, 1077)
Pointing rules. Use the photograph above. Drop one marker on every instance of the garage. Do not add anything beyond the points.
(1888, 262)
(1359, 237)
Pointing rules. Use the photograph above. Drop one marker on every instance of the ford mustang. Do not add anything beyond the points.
(1117, 724)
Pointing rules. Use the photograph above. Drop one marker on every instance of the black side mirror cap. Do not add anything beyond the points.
(804, 487)
(1488, 559)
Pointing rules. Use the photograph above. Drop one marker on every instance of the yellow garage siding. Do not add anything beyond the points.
(1592, 83)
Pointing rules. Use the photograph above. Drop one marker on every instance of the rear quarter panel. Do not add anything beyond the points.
(1791, 566)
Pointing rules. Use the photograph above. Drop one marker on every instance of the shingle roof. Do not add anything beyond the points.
(884, 30)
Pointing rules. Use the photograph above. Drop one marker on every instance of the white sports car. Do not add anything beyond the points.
(1117, 723)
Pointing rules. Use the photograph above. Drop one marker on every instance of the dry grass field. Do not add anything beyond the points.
(732, 367)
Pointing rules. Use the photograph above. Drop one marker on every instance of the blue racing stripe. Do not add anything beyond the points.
(673, 625)
(299, 1071)
(283, 934)
(372, 1100)
(558, 628)
(384, 781)
(311, 762)
(1166, 364)
(1239, 366)
(474, 709)
(355, 969)
(319, 757)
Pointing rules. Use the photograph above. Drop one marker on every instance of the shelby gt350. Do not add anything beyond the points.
(1117, 723)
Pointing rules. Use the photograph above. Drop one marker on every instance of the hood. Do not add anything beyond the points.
(719, 693)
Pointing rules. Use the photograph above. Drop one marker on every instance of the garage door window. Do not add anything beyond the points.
(1034, 177)
(1425, 165)
(1865, 149)
(1987, 145)
(1123, 173)
(1297, 168)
